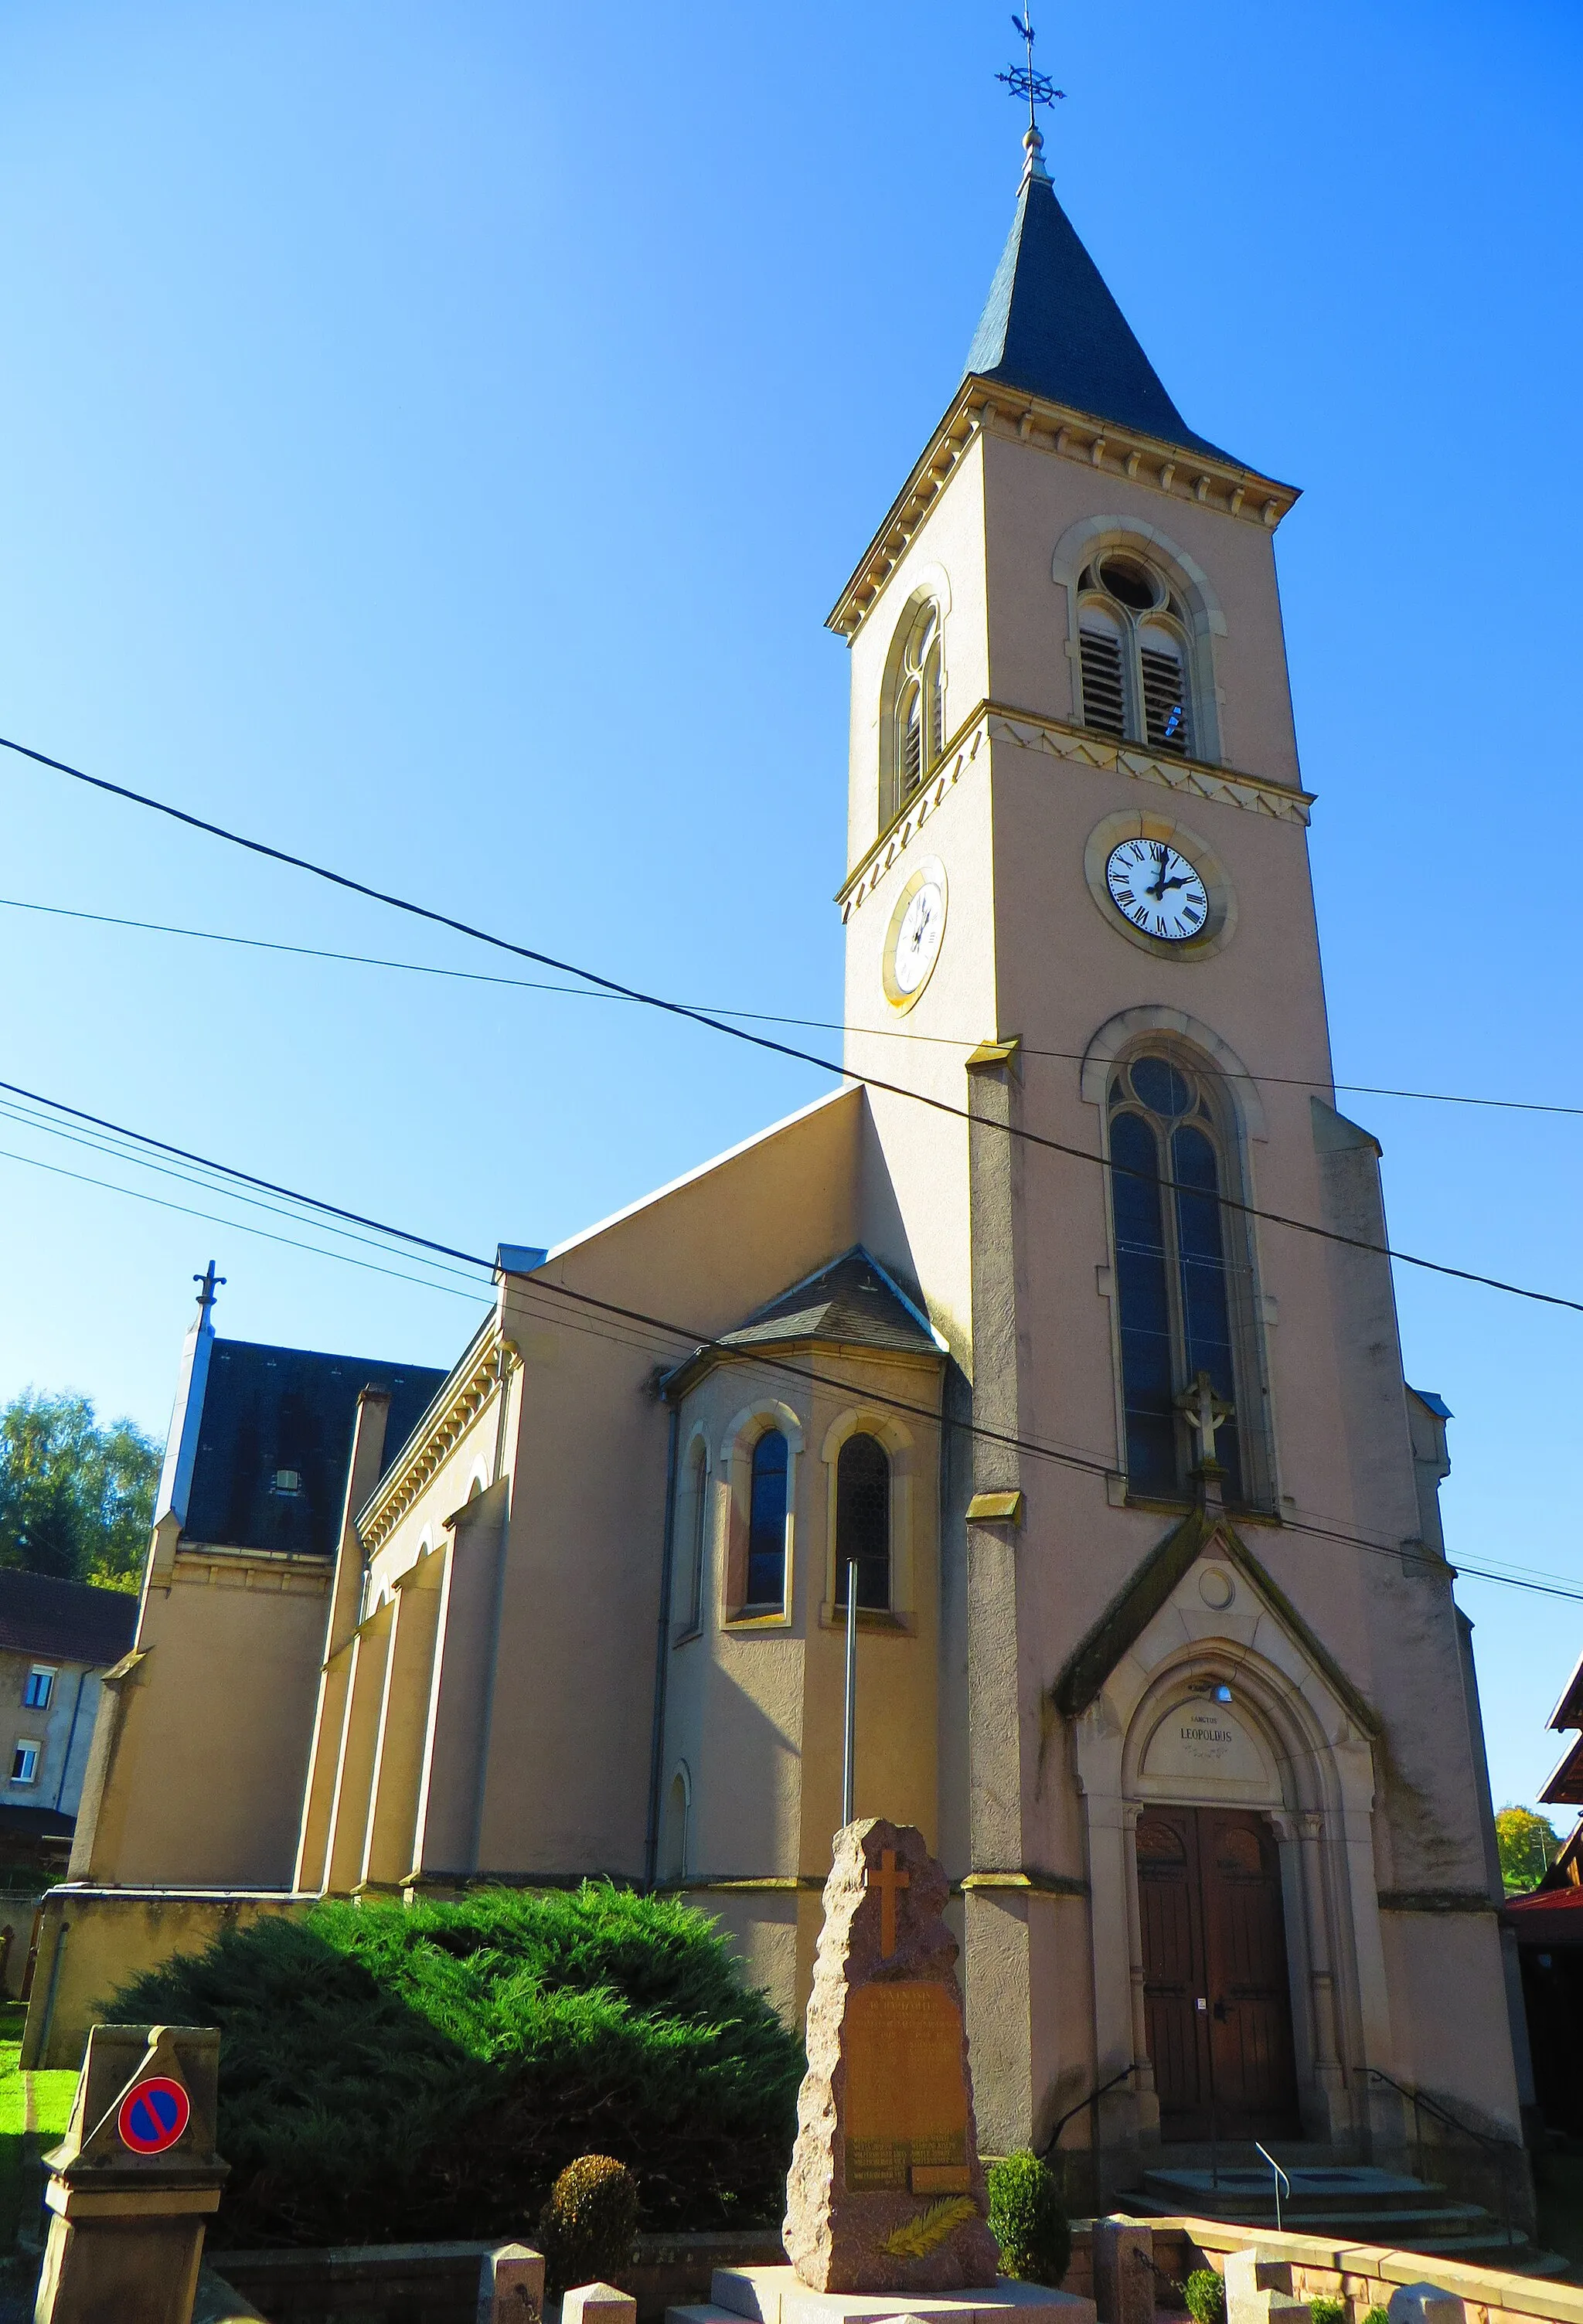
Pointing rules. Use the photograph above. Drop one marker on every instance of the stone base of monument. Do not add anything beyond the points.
(778, 2295)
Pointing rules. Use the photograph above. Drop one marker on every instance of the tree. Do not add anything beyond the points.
(77, 1497)
(1529, 1845)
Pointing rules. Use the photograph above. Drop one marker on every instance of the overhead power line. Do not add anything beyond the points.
(670, 1342)
(685, 1012)
(749, 1016)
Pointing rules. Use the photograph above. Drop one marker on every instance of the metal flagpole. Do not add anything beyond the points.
(849, 1749)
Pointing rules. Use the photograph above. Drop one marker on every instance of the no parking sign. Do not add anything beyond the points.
(152, 2114)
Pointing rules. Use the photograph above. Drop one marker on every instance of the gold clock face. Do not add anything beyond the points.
(915, 935)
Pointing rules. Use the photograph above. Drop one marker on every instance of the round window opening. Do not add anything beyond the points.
(1129, 583)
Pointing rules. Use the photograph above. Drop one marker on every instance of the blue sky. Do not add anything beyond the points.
(432, 437)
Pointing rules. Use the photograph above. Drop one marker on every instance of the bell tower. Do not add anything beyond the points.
(1079, 928)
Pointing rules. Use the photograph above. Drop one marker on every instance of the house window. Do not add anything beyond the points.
(288, 1482)
(917, 711)
(863, 1522)
(1132, 656)
(38, 1687)
(1169, 1175)
(698, 1523)
(766, 1533)
(25, 1763)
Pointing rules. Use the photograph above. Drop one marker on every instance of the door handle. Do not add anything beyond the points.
(1220, 2013)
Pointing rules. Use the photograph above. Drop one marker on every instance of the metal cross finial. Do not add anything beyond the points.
(1206, 1414)
(1023, 80)
(208, 1283)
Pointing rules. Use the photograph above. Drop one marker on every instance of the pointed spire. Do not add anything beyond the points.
(1051, 328)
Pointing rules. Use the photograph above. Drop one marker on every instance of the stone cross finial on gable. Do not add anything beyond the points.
(888, 1881)
(1206, 1413)
(209, 1284)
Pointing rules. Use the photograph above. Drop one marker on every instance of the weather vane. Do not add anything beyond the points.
(1023, 80)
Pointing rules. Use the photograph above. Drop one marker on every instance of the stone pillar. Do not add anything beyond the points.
(511, 2286)
(1144, 2097)
(135, 2179)
(403, 1721)
(997, 1953)
(354, 1773)
(1123, 2270)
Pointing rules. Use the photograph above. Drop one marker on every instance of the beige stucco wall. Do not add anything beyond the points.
(754, 1706)
(207, 1740)
(93, 1941)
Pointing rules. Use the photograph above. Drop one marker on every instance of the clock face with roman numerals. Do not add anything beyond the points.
(1157, 888)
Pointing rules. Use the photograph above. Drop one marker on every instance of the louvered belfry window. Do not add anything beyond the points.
(918, 710)
(1132, 656)
(1104, 694)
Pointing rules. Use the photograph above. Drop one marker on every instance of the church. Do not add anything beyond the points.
(1058, 1335)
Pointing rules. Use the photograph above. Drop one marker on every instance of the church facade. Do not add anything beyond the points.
(1025, 1336)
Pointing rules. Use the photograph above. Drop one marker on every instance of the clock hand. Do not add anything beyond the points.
(1157, 890)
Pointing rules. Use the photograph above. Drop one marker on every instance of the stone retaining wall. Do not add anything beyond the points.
(1366, 2275)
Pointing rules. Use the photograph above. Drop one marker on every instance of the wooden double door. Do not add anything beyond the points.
(1215, 1995)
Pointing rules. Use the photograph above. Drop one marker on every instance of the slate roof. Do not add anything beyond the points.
(269, 1411)
(69, 1621)
(1051, 328)
(852, 1302)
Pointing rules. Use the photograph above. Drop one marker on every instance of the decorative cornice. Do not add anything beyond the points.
(978, 408)
(1031, 1880)
(459, 1401)
(995, 722)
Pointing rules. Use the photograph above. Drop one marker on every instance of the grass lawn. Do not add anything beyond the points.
(34, 2110)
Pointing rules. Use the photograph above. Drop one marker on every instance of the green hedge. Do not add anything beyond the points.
(391, 2074)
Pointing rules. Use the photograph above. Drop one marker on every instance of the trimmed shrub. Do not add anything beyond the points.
(1028, 2220)
(397, 2074)
(1325, 2309)
(1378, 2316)
(1205, 2293)
(588, 2228)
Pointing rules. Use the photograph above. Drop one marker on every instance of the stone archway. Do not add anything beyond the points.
(1217, 1704)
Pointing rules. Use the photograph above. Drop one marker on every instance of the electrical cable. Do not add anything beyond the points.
(750, 1016)
(660, 1330)
(238, 1226)
(758, 1040)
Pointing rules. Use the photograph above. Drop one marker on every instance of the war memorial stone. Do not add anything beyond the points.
(886, 2206)
(886, 2191)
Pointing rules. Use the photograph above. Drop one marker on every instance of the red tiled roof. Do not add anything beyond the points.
(70, 1620)
(1549, 1916)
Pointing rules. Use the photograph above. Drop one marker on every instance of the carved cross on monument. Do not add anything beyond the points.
(888, 1881)
(1206, 1414)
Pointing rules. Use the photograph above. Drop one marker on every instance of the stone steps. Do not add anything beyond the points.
(1350, 2201)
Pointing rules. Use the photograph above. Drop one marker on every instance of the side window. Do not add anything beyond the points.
(1133, 655)
(1170, 1173)
(863, 1522)
(38, 1688)
(25, 1763)
(916, 710)
(673, 1831)
(766, 1537)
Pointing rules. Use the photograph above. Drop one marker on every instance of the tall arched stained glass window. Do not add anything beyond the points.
(863, 1521)
(1172, 1270)
(766, 1532)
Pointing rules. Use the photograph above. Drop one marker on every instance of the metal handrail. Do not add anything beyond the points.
(1092, 2100)
(1504, 2147)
